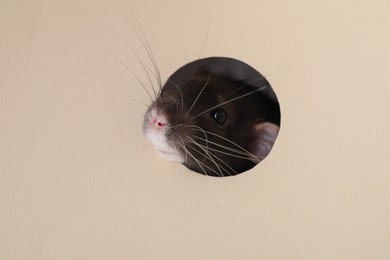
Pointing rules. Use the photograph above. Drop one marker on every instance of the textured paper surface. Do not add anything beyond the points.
(78, 181)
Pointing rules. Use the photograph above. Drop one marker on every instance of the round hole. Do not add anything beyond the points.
(223, 114)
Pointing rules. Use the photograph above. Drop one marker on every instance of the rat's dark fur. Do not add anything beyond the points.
(208, 147)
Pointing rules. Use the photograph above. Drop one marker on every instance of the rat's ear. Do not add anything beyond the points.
(265, 136)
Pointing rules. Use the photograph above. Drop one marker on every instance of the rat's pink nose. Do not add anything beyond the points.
(158, 122)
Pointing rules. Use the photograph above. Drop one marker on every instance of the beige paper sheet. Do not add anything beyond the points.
(78, 180)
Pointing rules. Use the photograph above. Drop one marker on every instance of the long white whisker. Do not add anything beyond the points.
(201, 129)
(131, 49)
(230, 149)
(133, 134)
(147, 47)
(181, 94)
(230, 154)
(223, 146)
(247, 94)
(216, 157)
(209, 156)
(205, 39)
(185, 150)
(174, 100)
(173, 128)
(286, 66)
(235, 144)
(204, 165)
(247, 84)
(174, 146)
(123, 64)
(200, 93)
(193, 157)
(127, 114)
(132, 99)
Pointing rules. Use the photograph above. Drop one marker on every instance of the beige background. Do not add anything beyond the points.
(78, 180)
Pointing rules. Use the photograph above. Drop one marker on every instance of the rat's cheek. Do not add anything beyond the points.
(155, 132)
(163, 147)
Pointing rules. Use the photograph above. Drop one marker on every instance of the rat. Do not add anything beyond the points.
(217, 116)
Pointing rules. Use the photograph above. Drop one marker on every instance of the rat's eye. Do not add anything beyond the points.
(219, 116)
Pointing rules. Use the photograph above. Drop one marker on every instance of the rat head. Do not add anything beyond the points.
(211, 120)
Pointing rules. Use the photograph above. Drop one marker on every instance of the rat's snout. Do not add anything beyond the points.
(155, 129)
(157, 121)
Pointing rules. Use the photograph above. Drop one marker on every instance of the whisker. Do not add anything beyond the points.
(127, 114)
(181, 94)
(235, 144)
(185, 150)
(216, 157)
(204, 163)
(135, 132)
(229, 154)
(201, 129)
(223, 146)
(173, 128)
(174, 100)
(132, 99)
(131, 49)
(196, 160)
(200, 93)
(126, 90)
(147, 47)
(174, 146)
(247, 84)
(209, 156)
(228, 101)
(205, 39)
(230, 168)
(123, 64)
(286, 66)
